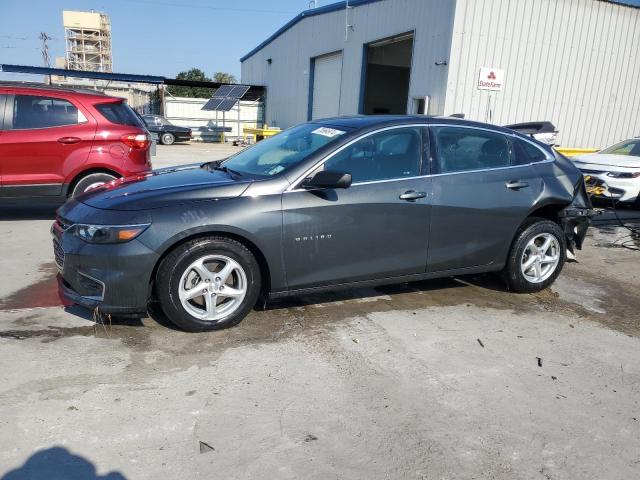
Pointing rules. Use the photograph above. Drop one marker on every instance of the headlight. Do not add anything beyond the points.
(108, 233)
(623, 174)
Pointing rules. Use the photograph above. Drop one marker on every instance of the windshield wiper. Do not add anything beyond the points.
(216, 165)
(222, 168)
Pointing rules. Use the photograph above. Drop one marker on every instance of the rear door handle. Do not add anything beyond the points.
(69, 140)
(412, 195)
(516, 184)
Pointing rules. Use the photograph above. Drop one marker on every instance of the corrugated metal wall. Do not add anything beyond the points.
(573, 62)
(287, 77)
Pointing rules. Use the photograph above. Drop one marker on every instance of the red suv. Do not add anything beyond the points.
(57, 142)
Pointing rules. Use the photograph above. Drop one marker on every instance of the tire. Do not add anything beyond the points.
(532, 236)
(167, 139)
(90, 181)
(217, 301)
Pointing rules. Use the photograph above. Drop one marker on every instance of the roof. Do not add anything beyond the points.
(62, 72)
(255, 91)
(361, 122)
(334, 7)
(625, 3)
(42, 88)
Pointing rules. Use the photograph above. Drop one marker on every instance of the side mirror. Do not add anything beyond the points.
(327, 179)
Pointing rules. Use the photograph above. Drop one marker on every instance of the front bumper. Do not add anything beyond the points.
(183, 136)
(599, 185)
(113, 277)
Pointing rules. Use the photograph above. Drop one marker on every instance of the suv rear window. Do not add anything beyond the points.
(120, 113)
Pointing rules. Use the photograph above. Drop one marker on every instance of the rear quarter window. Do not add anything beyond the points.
(119, 113)
(526, 153)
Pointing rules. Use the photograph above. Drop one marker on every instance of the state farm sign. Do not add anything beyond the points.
(491, 79)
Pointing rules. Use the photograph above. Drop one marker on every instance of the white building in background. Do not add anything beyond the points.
(88, 41)
(575, 63)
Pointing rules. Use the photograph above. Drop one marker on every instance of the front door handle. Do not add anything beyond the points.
(412, 195)
(69, 140)
(516, 184)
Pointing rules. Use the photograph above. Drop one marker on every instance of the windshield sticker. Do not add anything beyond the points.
(328, 132)
(275, 170)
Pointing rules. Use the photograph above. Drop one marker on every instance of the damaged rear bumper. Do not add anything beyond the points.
(576, 218)
(575, 222)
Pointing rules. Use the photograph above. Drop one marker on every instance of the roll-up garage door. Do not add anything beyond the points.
(327, 79)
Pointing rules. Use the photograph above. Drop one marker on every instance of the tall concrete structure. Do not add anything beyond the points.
(88, 41)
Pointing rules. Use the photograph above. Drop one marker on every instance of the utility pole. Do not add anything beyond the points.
(45, 54)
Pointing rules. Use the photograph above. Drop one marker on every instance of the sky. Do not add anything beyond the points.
(154, 37)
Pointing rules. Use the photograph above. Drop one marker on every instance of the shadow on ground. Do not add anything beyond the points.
(58, 463)
(36, 211)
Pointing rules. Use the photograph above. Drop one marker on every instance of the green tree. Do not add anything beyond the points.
(195, 74)
(223, 77)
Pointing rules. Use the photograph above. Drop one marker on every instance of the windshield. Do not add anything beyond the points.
(282, 151)
(628, 147)
(152, 120)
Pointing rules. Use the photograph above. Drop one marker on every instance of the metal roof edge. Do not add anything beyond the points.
(333, 7)
(122, 77)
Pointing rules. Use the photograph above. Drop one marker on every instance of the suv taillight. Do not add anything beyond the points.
(136, 140)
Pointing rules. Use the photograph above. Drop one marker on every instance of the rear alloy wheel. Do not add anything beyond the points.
(167, 139)
(90, 181)
(537, 256)
(208, 284)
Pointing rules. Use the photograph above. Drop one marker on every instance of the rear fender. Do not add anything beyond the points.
(575, 219)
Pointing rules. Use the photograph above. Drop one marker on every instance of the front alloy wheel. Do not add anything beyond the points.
(208, 283)
(212, 287)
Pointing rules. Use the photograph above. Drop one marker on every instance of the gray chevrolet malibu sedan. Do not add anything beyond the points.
(342, 202)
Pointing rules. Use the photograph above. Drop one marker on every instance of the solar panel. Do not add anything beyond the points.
(220, 104)
(227, 104)
(225, 97)
(239, 91)
(231, 91)
(223, 91)
(213, 104)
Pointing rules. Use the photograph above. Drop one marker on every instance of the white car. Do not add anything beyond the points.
(614, 172)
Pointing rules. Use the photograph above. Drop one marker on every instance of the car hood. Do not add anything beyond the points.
(165, 187)
(609, 160)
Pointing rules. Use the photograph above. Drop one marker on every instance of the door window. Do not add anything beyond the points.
(463, 149)
(525, 153)
(32, 111)
(386, 155)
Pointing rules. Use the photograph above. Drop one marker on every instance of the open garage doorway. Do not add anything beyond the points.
(386, 75)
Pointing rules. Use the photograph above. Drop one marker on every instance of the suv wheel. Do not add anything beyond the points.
(537, 256)
(167, 139)
(91, 181)
(208, 284)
